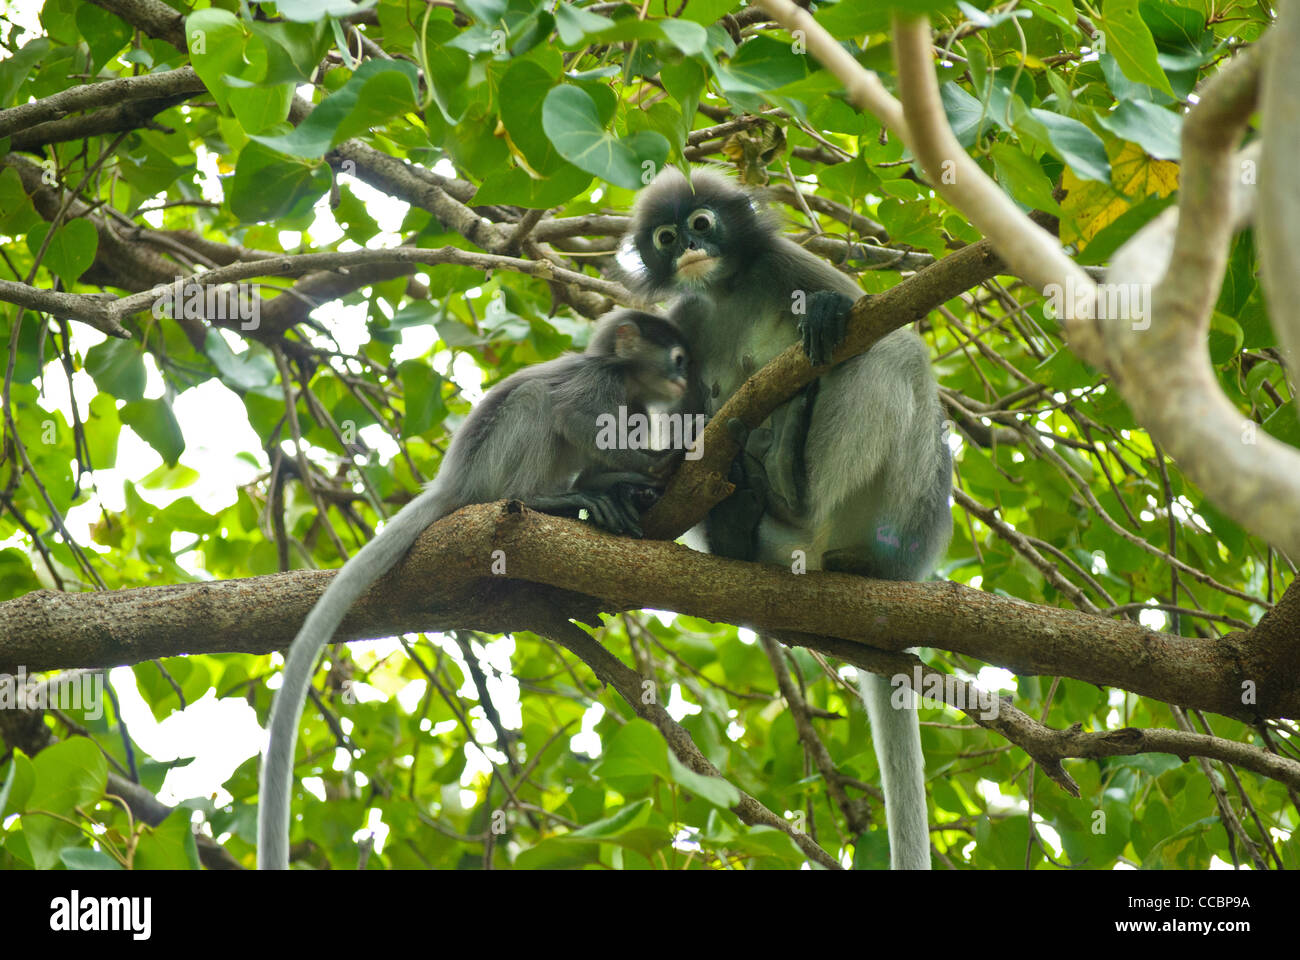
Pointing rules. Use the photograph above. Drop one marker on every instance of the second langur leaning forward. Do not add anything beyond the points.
(535, 437)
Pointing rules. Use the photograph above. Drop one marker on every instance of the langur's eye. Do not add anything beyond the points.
(665, 237)
(679, 358)
(701, 220)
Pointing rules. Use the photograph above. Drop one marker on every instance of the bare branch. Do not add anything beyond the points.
(293, 265)
(110, 92)
(90, 309)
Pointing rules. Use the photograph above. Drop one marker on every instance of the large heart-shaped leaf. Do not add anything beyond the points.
(569, 118)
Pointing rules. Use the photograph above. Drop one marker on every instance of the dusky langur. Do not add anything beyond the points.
(854, 470)
(536, 437)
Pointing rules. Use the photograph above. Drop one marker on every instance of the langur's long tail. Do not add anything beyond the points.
(896, 733)
(370, 563)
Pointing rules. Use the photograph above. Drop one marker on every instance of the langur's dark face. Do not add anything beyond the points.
(691, 236)
(656, 358)
(675, 373)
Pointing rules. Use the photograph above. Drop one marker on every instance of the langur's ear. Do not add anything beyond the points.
(627, 340)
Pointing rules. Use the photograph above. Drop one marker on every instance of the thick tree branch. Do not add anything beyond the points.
(46, 630)
(91, 95)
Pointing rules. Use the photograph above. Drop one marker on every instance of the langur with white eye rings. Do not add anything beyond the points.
(533, 438)
(854, 471)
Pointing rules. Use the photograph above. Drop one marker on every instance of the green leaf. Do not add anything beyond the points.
(377, 92)
(156, 425)
(965, 113)
(79, 858)
(580, 28)
(253, 368)
(1022, 177)
(706, 12)
(637, 749)
(559, 853)
(170, 478)
(631, 817)
(1080, 148)
(762, 64)
(528, 84)
(102, 430)
(1129, 41)
(422, 387)
(484, 11)
(570, 119)
(514, 186)
(68, 775)
(18, 785)
(1125, 89)
(685, 82)
(71, 250)
(293, 49)
(17, 213)
(117, 368)
(713, 789)
(261, 107)
(105, 33)
(168, 846)
(267, 186)
(448, 71)
(15, 69)
(853, 178)
(1283, 424)
(986, 20)
(1111, 237)
(573, 24)
(1154, 129)
(216, 47)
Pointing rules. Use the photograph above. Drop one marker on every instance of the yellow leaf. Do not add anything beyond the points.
(1093, 206)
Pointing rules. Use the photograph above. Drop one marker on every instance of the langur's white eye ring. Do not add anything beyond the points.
(678, 356)
(664, 237)
(702, 220)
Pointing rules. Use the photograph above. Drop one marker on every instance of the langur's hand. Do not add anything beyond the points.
(823, 327)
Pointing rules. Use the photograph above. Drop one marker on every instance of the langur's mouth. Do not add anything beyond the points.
(694, 264)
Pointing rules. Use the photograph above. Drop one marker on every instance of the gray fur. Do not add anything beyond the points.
(529, 439)
(876, 472)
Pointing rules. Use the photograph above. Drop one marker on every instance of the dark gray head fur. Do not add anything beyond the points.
(744, 231)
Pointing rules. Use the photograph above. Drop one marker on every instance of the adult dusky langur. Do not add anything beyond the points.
(854, 471)
(535, 437)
